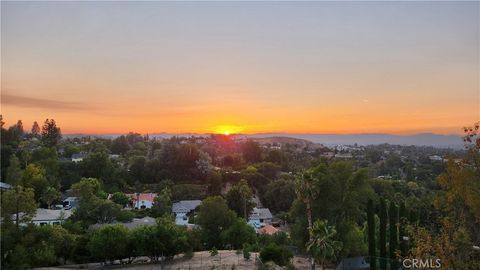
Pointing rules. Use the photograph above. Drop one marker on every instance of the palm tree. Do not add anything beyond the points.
(304, 187)
(322, 245)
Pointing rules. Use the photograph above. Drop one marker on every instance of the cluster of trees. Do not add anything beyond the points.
(32, 170)
(37, 246)
(396, 218)
(144, 164)
(333, 193)
(400, 219)
(405, 162)
(160, 241)
(455, 229)
(447, 230)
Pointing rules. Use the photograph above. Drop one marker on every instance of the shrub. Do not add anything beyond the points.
(125, 216)
(246, 254)
(277, 254)
(188, 255)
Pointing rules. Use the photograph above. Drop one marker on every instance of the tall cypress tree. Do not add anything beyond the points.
(371, 235)
(402, 216)
(383, 235)
(393, 217)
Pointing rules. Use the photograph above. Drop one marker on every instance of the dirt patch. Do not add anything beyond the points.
(225, 260)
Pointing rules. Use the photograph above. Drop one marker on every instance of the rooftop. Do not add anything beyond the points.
(4, 185)
(51, 214)
(185, 206)
(261, 213)
(268, 229)
(149, 197)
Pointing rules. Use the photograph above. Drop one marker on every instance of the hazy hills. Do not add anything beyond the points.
(423, 139)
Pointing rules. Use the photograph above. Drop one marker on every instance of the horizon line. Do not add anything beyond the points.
(264, 133)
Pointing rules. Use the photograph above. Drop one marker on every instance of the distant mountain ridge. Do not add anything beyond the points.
(421, 139)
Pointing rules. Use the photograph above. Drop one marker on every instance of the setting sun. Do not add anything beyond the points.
(227, 129)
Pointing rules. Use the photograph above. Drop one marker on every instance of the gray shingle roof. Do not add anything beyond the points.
(51, 214)
(185, 206)
(260, 213)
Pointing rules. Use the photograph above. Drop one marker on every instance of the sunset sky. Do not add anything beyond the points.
(305, 67)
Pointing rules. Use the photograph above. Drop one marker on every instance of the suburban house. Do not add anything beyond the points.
(182, 209)
(50, 216)
(260, 217)
(70, 202)
(5, 186)
(78, 157)
(142, 200)
(136, 222)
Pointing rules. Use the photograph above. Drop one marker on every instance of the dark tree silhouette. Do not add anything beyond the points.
(50, 133)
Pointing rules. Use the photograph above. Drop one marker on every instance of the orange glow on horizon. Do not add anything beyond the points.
(228, 129)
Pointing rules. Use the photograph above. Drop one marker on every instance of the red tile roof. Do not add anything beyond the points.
(268, 229)
(149, 197)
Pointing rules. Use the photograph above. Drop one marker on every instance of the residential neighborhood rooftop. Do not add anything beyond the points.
(260, 213)
(185, 206)
(43, 214)
(268, 229)
(149, 197)
(4, 185)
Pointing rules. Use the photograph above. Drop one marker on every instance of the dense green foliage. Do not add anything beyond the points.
(214, 217)
(372, 250)
(275, 253)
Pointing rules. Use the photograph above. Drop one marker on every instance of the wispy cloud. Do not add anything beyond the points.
(29, 102)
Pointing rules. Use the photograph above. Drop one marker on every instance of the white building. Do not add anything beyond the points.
(50, 216)
(142, 200)
(260, 217)
(182, 209)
